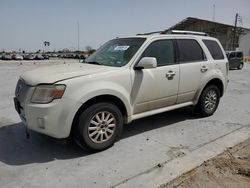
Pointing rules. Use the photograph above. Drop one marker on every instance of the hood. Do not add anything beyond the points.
(52, 74)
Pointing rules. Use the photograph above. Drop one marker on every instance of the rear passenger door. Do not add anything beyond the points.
(193, 68)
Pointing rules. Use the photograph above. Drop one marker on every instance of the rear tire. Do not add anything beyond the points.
(240, 66)
(99, 126)
(209, 101)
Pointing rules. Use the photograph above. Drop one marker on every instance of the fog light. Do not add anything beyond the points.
(41, 123)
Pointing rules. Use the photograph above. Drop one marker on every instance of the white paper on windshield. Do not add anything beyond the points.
(121, 48)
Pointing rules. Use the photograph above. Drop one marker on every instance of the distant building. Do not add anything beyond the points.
(244, 45)
(223, 32)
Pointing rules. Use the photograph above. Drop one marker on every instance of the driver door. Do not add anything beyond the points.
(157, 87)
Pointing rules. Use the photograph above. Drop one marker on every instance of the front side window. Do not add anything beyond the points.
(162, 50)
(232, 55)
(116, 53)
(214, 49)
(189, 50)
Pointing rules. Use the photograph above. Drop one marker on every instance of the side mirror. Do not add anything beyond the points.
(146, 63)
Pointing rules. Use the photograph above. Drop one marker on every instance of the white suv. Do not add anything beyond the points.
(125, 79)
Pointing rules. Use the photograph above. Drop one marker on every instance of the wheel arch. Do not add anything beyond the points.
(101, 98)
(216, 81)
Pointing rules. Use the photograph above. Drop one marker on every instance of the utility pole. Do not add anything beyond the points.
(78, 40)
(213, 12)
(78, 35)
(235, 27)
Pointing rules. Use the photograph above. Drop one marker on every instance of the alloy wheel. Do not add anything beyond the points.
(102, 127)
(211, 100)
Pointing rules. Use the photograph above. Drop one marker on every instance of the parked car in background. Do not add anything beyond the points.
(124, 80)
(7, 57)
(45, 56)
(17, 57)
(53, 55)
(39, 57)
(29, 57)
(82, 56)
(77, 56)
(235, 59)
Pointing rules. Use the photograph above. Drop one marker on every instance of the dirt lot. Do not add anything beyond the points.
(230, 169)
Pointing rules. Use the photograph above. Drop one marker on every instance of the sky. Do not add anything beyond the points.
(26, 24)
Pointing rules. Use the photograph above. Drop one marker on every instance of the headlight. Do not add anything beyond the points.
(47, 93)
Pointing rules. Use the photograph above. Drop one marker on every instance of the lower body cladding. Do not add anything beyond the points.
(53, 119)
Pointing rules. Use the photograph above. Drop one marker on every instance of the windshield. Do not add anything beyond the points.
(117, 52)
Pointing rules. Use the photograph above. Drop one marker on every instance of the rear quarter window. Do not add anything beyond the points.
(214, 49)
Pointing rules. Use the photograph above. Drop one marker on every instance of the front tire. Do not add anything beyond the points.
(99, 126)
(209, 101)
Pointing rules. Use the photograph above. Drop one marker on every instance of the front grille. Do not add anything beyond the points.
(21, 90)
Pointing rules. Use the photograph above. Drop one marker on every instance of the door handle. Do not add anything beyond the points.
(170, 75)
(204, 69)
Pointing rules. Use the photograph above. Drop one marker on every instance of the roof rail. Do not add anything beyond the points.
(175, 32)
(151, 33)
(188, 32)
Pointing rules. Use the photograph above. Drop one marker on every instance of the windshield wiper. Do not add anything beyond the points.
(93, 62)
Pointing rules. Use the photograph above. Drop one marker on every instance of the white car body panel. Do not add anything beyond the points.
(164, 93)
(57, 73)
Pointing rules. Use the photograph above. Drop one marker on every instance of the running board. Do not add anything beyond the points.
(160, 110)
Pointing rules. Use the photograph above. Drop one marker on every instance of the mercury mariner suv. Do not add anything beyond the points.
(124, 80)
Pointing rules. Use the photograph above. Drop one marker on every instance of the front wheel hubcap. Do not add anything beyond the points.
(102, 127)
(210, 100)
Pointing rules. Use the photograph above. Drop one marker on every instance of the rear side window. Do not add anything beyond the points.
(214, 49)
(189, 50)
(239, 54)
(162, 50)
